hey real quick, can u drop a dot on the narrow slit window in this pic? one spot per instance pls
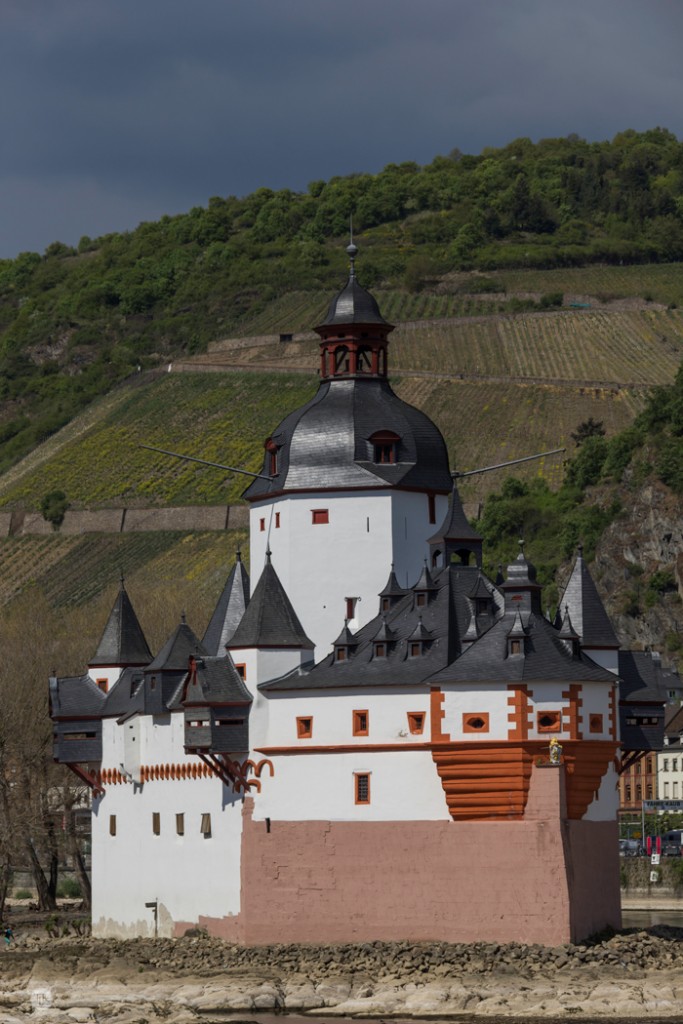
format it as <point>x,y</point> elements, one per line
<point>262,525</point>
<point>112,824</point>
<point>351,607</point>
<point>361,722</point>
<point>362,787</point>
<point>156,823</point>
<point>180,824</point>
<point>205,827</point>
<point>277,520</point>
<point>432,507</point>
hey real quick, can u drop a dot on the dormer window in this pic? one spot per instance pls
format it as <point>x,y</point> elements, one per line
<point>341,654</point>
<point>415,648</point>
<point>515,646</point>
<point>482,605</point>
<point>421,599</point>
<point>386,604</point>
<point>380,650</point>
<point>384,447</point>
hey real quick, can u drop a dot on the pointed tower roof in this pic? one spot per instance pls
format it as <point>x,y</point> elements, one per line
<point>230,609</point>
<point>517,629</point>
<point>346,638</point>
<point>175,654</point>
<point>270,619</point>
<point>455,525</point>
<point>420,632</point>
<point>584,604</point>
<point>393,588</point>
<point>426,581</point>
<point>567,631</point>
<point>385,634</point>
<point>123,642</point>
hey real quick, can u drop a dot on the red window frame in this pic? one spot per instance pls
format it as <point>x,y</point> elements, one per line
<point>320,516</point>
<point>361,723</point>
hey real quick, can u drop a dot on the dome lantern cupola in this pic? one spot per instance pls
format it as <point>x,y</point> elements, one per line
<point>354,334</point>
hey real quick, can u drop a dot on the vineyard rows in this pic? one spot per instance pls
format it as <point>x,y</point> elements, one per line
<point>662,282</point>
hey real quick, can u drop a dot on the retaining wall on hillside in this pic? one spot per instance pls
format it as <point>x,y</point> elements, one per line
<point>133,520</point>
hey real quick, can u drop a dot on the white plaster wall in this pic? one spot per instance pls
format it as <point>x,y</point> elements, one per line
<point>351,556</point>
<point>595,698</point>
<point>273,721</point>
<point>189,875</point>
<point>404,786</point>
<point>108,672</point>
<point>274,662</point>
<point>480,697</point>
<point>411,529</point>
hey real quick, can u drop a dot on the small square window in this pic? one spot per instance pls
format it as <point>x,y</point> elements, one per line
<point>416,722</point>
<point>595,723</point>
<point>415,650</point>
<point>103,684</point>
<point>112,824</point>
<point>304,728</point>
<point>340,654</point>
<point>362,787</point>
<point>360,723</point>
<point>180,824</point>
<point>549,721</point>
<point>380,651</point>
<point>205,827</point>
<point>421,600</point>
<point>156,823</point>
<point>320,516</point>
<point>241,670</point>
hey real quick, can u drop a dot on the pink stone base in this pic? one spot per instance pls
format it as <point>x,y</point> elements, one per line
<point>541,880</point>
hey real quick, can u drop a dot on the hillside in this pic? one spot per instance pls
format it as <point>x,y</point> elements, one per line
<point>448,239</point>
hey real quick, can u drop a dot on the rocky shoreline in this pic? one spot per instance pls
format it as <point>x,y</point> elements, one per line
<point>628,975</point>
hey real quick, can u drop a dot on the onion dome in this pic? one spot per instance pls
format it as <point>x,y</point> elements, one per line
<point>355,433</point>
<point>353,304</point>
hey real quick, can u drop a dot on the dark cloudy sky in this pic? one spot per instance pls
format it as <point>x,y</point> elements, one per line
<point>117,111</point>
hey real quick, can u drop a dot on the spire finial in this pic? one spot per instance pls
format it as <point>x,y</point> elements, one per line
<point>182,617</point>
<point>352,249</point>
<point>268,555</point>
<point>238,555</point>
<point>122,579</point>
<point>580,549</point>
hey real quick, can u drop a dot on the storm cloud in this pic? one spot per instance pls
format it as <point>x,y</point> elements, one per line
<point>118,111</point>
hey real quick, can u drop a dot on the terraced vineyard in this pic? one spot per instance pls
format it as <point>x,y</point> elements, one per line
<point>662,282</point>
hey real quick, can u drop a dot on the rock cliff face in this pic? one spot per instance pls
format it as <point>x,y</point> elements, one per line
<point>639,567</point>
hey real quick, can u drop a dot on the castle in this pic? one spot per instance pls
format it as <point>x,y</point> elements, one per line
<point>377,741</point>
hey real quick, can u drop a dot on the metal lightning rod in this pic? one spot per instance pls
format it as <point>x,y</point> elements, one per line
<point>501,465</point>
<point>216,465</point>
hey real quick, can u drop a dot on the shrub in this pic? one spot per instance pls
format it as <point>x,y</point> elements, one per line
<point>69,889</point>
<point>53,506</point>
<point>23,894</point>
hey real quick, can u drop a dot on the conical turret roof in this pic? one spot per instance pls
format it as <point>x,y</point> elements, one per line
<point>175,654</point>
<point>392,587</point>
<point>588,615</point>
<point>122,643</point>
<point>230,609</point>
<point>270,619</point>
<point>455,525</point>
<point>353,304</point>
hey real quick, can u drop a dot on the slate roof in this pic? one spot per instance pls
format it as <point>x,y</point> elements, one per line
<point>353,304</point>
<point>75,697</point>
<point>588,615</point>
<point>455,525</point>
<point>126,695</point>
<point>229,611</point>
<point>214,681</point>
<point>270,619</point>
<point>175,654</point>
<point>641,678</point>
<point>122,642</point>
<point>325,443</point>
<point>446,617</point>
<point>545,656</point>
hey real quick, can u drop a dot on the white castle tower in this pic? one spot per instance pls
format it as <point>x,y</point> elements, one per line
<point>358,479</point>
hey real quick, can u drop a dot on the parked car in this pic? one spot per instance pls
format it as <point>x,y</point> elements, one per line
<point>630,848</point>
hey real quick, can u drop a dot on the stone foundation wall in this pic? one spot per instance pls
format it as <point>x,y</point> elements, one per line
<point>541,880</point>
